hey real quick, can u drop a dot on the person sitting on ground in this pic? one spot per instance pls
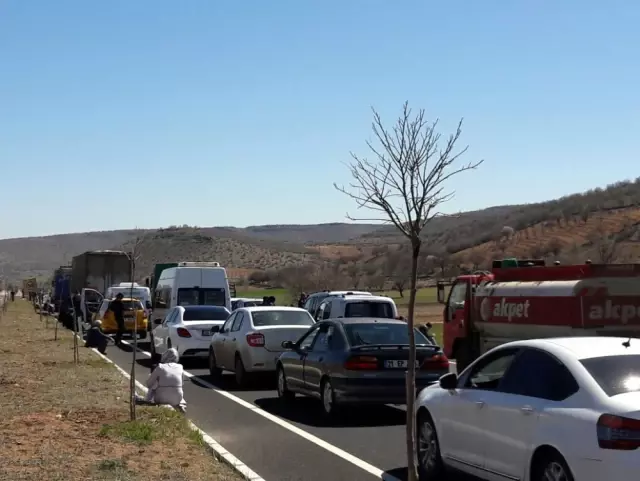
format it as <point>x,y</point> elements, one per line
<point>96,338</point>
<point>165,383</point>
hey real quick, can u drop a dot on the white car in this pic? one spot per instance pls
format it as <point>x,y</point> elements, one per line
<point>188,329</point>
<point>251,339</point>
<point>565,409</point>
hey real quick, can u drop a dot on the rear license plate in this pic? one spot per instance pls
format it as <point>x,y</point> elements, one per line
<point>398,364</point>
<point>206,332</point>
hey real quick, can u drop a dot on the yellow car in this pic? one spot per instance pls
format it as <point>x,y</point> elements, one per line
<point>134,315</point>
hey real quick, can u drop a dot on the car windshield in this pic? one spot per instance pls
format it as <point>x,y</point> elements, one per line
<point>281,318</point>
<point>205,313</point>
<point>380,333</point>
<point>131,305</point>
<point>615,374</point>
<point>369,309</point>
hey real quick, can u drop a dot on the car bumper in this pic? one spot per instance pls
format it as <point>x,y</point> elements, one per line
<point>261,360</point>
<point>614,465</point>
<point>378,391</point>
<point>195,349</point>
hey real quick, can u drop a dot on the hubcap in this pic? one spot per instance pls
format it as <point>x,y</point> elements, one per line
<point>280,383</point>
<point>427,447</point>
<point>327,398</point>
<point>554,472</point>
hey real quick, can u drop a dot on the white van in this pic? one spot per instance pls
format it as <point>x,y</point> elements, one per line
<point>136,291</point>
<point>191,284</point>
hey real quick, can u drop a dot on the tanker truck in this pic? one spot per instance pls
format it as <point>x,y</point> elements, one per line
<point>525,299</point>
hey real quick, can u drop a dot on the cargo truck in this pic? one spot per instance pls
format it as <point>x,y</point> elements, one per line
<point>61,285</point>
<point>525,299</point>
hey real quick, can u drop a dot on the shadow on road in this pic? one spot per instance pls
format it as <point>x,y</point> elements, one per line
<point>308,411</point>
<point>227,383</point>
<point>402,475</point>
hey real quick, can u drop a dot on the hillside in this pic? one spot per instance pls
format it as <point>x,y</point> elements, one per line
<point>600,223</point>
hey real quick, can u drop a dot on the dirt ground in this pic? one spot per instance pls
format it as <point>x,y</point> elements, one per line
<point>425,313</point>
<point>62,421</point>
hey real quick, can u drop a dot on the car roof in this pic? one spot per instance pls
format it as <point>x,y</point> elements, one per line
<point>364,298</point>
<point>204,308</point>
<point>583,347</point>
<point>272,308</point>
<point>340,293</point>
<point>365,320</point>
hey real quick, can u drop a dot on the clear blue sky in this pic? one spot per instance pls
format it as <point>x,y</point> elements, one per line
<point>243,112</point>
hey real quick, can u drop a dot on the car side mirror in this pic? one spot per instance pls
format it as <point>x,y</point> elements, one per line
<point>215,329</point>
<point>287,345</point>
<point>449,381</point>
<point>158,321</point>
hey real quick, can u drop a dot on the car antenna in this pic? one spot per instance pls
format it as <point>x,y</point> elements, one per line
<point>627,343</point>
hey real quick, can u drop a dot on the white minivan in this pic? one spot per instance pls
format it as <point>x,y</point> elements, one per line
<point>190,284</point>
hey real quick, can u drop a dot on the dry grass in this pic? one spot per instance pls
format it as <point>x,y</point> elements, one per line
<point>70,422</point>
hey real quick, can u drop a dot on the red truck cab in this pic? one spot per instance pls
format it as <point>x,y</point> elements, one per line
<point>527,300</point>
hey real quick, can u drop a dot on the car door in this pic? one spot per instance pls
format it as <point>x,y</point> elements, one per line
<point>314,361</point>
<point>235,339</point>
<point>90,300</point>
<point>171,326</point>
<point>160,333</point>
<point>463,425</point>
<point>294,367</point>
<point>220,338</point>
<point>535,382</point>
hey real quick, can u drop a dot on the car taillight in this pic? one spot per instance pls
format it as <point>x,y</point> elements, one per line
<point>182,332</point>
<point>616,432</point>
<point>361,363</point>
<point>255,339</point>
<point>437,361</point>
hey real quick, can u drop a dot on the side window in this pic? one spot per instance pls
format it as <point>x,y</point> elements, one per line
<point>320,314</point>
<point>307,341</point>
<point>226,327</point>
<point>309,303</point>
<point>321,343</point>
<point>326,314</point>
<point>488,374</point>
<point>458,295</point>
<point>238,322</point>
<point>538,374</point>
<point>169,317</point>
<point>176,316</point>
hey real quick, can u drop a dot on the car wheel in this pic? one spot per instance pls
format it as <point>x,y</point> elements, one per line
<point>430,465</point>
<point>142,334</point>
<point>241,373</point>
<point>551,467</point>
<point>283,390</point>
<point>214,370</point>
<point>328,398</point>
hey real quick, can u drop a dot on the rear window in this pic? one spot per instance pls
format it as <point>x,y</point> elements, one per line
<point>131,305</point>
<point>205,314</point>
<point>369,309</point>
<point>201,297</point>
<point>615,374</point>
<point>281,318</point>
<point>380,333</point>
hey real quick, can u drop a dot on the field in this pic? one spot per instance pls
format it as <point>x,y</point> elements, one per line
<point>70,422</point>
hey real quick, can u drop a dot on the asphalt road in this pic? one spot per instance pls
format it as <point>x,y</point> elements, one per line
<point>288,443</point>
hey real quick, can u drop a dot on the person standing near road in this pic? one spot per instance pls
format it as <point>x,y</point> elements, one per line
<point>302,299</point>
<point>117,307</point>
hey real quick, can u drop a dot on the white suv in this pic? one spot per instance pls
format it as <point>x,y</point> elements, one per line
<point>357,306</point>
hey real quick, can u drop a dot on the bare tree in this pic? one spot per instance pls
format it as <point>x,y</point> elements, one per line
<point>133,249</point>
<point>405,186</point>
<point>606,245</point>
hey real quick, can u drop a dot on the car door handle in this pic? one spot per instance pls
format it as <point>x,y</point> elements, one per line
<point>526,409</point>
<point>480,404</point>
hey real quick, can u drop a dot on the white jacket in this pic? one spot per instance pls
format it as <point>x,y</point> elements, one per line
<point>166,383</point>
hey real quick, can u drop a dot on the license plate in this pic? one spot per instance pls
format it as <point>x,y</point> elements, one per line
<point>398,364</point>
<point>206,332</point>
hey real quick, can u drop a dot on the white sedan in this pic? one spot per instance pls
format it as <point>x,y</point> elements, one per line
<point>565,409</point>
<point>188,329</point>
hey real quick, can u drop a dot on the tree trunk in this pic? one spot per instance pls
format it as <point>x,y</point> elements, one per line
<point>412,474</point>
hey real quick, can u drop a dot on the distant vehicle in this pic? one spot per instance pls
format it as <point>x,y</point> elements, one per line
<point>250,341</point>
<point>342,305</point>
<point>238,302</point>
<point>543,409</point>
<point>356,361</point>
<point>191,284</point>
<point>524,299</point>
<point>135,318</point>
<point>314,300</point>
<point>188,329</point>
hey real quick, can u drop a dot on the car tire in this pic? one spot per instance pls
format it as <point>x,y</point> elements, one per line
<point>430,466</point>
<point>241,375</point>
<point>142,334</point>
<point>152,348</point>
<point>328,398</point>
<point>214,370</point>
<point>283,390</point>
<point>551,466</point>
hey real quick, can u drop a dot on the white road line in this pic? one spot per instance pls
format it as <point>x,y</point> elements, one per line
<point>294,429</point>
<point>217,449</point>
